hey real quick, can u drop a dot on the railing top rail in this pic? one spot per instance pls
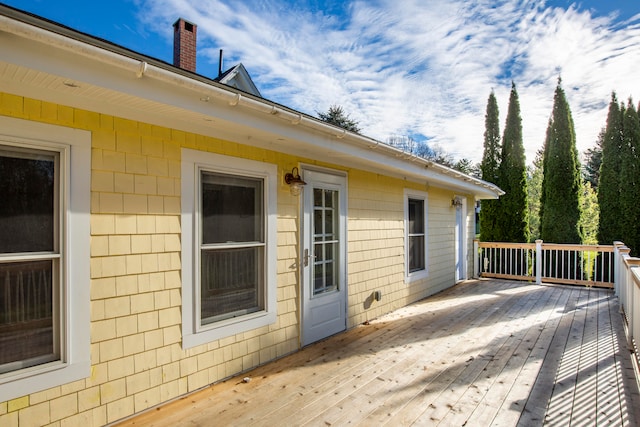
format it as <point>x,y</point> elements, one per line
<point>574,247</point>
<point>506,245</point>
<point>631,261</point>
<point>548,246</point>
<point>635,275</point>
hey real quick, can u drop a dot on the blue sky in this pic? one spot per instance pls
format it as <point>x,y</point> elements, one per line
<point>423,68</point>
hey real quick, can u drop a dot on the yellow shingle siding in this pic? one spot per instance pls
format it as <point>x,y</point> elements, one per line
<point>376,245</point>
<point>137,357</point>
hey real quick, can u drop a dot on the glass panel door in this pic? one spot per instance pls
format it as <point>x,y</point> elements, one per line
<point>323,256</point>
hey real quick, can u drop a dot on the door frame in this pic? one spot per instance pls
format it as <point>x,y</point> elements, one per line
<point>306,172</point>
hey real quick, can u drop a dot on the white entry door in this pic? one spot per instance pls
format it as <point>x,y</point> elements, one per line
<point>460,240</point>
<point>324,293</point>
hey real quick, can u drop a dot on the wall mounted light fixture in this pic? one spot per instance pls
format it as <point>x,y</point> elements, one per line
<point>296,184</point>
<point>456,202</point>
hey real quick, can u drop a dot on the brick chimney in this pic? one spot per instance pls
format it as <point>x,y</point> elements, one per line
<point>184,45</point>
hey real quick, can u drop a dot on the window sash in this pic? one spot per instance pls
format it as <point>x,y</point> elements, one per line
<point>231,282</point>
<point>30,273</point>
<point>226,213</point>
<point>29,298</point>
<point>232,267</point>
<point>416,253</point>
<point>416,217</point>
<point>416,235</point>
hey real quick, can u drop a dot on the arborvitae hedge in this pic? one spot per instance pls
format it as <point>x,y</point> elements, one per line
<point>630,180</point>
<point>610,226</point>
<point>560,201</point>
<point>489,168</point>
<point>513,224</point>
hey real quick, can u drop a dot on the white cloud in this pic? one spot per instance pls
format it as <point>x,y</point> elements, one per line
<point>422,67</point>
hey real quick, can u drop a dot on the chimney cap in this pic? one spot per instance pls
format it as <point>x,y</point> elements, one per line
<point>177,23</point>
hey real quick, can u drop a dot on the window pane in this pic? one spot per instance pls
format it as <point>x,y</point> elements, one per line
<point>26,314</point>
<point>416,253</point>
<point>318,253</point>
<point>328,249</point>
<point>28,201</point>
<point>317,196</point>
<point>416,216</point>
<point>329,198</point>
<point>330,277</point>
<point>328,224</point>
<point>231,283</point>
<point>231,209</point>
<point>318,278</point>
<point>317,224</point>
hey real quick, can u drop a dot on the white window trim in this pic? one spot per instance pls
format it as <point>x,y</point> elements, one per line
<point>192,161</point>
<point>75,157</point>
<point>422,274</point>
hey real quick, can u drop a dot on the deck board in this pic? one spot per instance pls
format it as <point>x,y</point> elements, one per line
<point>486,352</point>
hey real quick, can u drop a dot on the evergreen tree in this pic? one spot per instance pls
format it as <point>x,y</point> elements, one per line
<point>610,229</point>
<point>590,215</point>
<point>630,181</point>
<point>337,116</point>
<point>466,166</point>
<point>593,161</point>
<point>512,178</point>
<point>534,188</point>
<point>489,170</point>
<point>560,203</point>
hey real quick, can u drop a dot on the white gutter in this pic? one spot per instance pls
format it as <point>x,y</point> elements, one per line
<point>144,69</point>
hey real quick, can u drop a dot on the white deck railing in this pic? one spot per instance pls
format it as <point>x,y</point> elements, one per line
<point>586,265</point>
<point>627,289</point>
<point>598,265</point>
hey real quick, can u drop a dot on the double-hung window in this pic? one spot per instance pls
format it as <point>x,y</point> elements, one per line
<point>232,246</point>
<point>228,245</point>
<point>30,250</point>
<point>415,235</point>
<point>44,246</point>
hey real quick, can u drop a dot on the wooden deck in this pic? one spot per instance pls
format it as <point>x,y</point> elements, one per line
<point>481,353</point>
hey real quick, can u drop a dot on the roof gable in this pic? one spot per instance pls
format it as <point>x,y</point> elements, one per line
<point>239,78</point>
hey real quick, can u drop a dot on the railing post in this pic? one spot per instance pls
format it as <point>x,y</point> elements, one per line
<point>476,259</point>
<point>616,267</point>
<point>538,262</point>
<point>623,252</point>
<point>631,309</point>
<point>632,318</point>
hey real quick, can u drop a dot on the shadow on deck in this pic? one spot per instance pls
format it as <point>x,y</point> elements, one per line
<point>482,353</point>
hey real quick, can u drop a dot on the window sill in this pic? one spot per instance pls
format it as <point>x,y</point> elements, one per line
<point>227,328</point>
<point>414,277</point>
